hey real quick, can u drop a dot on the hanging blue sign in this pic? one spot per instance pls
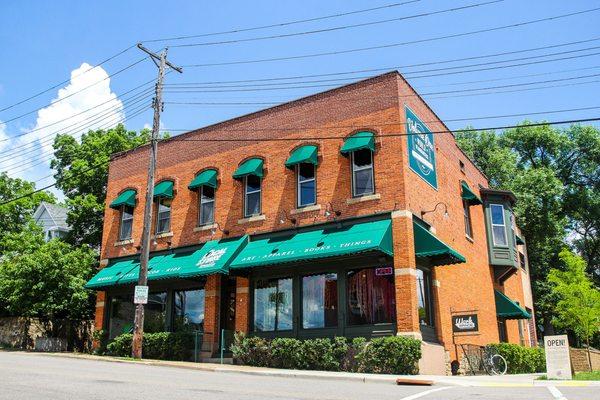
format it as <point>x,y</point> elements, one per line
<point>421,148</point>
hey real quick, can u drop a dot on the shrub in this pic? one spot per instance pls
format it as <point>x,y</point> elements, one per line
<point>390,355</point>
<point>161,345</point>
<point>520,359</point>
<point>394,355</point>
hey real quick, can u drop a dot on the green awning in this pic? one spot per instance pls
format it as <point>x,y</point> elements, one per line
<point>253,166</point>
<point>319,243</point>
<point>304,154</point>
<point>214,257</point>
<point>359,141</point>
<point>110,275</point>
<point>428,246</point>
<point>509,309</point>
<point>126,198</point>
<point>205,178</point>
<point>519,239</point>
<point>164,189</point>
<point>469,195</point>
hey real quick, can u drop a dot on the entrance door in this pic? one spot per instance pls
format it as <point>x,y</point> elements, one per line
<point>228,299</point>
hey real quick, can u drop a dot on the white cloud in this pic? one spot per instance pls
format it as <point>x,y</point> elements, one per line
<point>4,142</point>
<point>67,114</point>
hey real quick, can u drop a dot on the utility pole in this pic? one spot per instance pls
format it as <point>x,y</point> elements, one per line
<point>138,325</point>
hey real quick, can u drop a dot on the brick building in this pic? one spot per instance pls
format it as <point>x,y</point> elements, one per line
<point>349,212</point>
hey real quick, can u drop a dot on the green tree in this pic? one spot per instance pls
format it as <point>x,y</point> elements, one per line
<point>82,173</point>
<point>15,214</point>
<point>45,279</point>
<point>578,305</point>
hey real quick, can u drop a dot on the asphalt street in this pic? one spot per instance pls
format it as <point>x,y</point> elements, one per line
<point>37,376</point>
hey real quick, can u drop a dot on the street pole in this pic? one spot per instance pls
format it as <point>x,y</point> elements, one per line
<point>138,325</point>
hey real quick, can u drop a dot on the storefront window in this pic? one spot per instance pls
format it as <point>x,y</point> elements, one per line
<point>371,296</point>
<point>319,301</point>
<point>424,297</point>
<point>189,310</point>
<point>155,315</point>
<point>273,305</point>
<point>122,313</point>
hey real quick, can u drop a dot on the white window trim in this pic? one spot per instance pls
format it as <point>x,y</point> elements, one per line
<point>203,201</point>
<point>299,183</point>
<point>121,238</point>
<point>503,225</point>
<point>356,169</point>
<point>158,217</point>
<point>246,193</point>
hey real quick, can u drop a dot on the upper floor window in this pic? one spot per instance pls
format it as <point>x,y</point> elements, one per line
<point>498,225</point>
<point>307,190</point>
<point>163,215</point>
<point>467,217</point>
<point>252,198</point>
<point>126,227</point>
<point>206,214</point>
<point>362,173</point>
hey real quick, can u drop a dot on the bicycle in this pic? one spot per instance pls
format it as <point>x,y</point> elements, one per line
<point>493,363</point>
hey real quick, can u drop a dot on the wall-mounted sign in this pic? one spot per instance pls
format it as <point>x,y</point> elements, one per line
<point>558,363</point>
<point>465,323</point>
<point>140,295</point>
<point>383,271</point>
<point>421,148</point>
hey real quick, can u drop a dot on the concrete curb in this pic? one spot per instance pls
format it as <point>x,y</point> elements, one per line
<point>480,381</point>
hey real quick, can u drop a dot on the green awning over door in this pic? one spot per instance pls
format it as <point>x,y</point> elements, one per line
<point>469,195</point>
<point>126,198</point>
<point>164,189</point>
<point>319,243</point>
<point>253,166</point>
<point>509,309</point>
<point>304,154</point>
<point>359,141</point>
<point>429,247</point>
<point>205,178</point>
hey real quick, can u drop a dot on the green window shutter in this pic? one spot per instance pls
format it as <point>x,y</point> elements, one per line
<point>164,189</point>
<point>304,154</point>
<point>359,141</point>
<point>252,166</point>
<point>205,178</point>
<point>126,198</point>
<point>468,195</point>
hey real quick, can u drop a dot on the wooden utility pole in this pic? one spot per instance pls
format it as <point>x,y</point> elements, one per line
<point>138,325</point>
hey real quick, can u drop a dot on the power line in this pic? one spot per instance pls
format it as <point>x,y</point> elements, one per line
<point>180,138</point>
<point>67,80</point>
<point>338,28</point>
<point>282,24</point>
<point>77,92</point>
<point>455,35</point>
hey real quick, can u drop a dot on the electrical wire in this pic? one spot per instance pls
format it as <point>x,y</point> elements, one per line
<point>390,45</point>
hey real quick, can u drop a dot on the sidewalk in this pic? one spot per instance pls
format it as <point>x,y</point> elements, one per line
<point>523,380</point>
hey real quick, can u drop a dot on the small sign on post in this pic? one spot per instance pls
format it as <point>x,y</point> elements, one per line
<point>140,295</point>
<point>558,362</point>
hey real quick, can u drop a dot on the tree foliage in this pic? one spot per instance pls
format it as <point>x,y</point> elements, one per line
<point>82,173</point>
<point>578,305</point>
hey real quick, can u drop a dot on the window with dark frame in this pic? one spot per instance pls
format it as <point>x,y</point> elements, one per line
<point>252,195</point>
<point>189,310</point>
<point>206,208</point>
<point>319,301</point>
<point>307,193</point>
<point>467,217</point>
<point>370,296</point>
<point>126,228</point>
<point>424,297</point>
<point>273,303</point>
<point>163,215</point>
<point>362,173</point>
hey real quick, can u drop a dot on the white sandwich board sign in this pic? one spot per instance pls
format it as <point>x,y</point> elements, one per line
<point>558,362</point>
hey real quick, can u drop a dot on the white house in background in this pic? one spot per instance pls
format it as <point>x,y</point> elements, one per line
<point>53,220</point>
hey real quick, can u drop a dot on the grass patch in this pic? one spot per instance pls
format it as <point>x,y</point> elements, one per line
<point>579,376</point>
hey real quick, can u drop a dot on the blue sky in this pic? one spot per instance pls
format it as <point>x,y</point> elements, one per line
<point>45,43</point>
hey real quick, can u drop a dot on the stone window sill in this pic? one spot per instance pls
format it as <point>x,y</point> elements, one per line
<point>163,235</point>
<point>360,199</point>
<point>469,238</point>
<point>123,242</point>
<point>315,207</point>
<point>253,218</point>
<point>207,227</point>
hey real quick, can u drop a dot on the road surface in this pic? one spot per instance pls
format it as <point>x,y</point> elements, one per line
<point>37,376</point>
